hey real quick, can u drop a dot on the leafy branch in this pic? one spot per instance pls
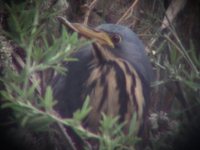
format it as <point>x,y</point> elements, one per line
<point>26,88</point>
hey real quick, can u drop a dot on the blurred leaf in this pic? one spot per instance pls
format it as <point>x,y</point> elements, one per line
<point>158,83</point>
<point>118,130</point>
<point>108,122</point>
<point>80,114</point>
<point>173,56</point>
<point>133,125</point>
<point>59,69</point>
<point>16,89</point>
<point>13,106</point>
<point>48,99</point>
<point>40,120</point>
<point>37,54</point>
<point>24,120</point>
<point>193,85</point>
<point>194,56</point>
<point>6,95</point>
<point>30,91</point>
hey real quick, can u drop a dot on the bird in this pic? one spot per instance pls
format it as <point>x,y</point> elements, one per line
<point>113,70</point>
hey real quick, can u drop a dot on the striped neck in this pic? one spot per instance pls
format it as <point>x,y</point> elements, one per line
<point>114,89</point>
<point>102,54</point>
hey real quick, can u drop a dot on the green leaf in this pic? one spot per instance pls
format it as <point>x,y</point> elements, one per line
<point>39,122</point>
<point>194,85</point>
<point>118,129</point>
<point>173,56</point>
<point>109,125</point>
<point>194,56</point>
<point>13,106</point>
<point>80,114</point>
<point>48,99</point>
<point>60,69</point>
<point>37,54</point>
<point>133,125</point>
<point>7,105</point>
<point>30,91</point>
<point>6,95</point>
<point>24,121</point>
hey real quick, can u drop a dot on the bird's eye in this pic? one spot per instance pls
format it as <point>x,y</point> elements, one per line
<point>116,38</point>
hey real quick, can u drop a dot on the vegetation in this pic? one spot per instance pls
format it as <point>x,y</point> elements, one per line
<point>26,89</point>
<point>40,52</point>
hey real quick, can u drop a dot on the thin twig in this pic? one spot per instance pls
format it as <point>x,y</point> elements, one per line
<point>64,21</point>
<point>185,53</point>
<point>33,78</point>
<point>66,136</point>
<point>87,14</point>
<point>172,11</point>
<point>182,50</point>
<point>128,12</point>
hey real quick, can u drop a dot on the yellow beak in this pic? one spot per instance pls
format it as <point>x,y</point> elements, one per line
<point>101,37</point>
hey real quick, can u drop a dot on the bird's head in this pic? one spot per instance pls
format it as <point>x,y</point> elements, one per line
<point>112,41</point>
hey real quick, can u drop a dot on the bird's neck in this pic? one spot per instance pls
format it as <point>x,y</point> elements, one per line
<point>102,54</point>
<point>115,89</point>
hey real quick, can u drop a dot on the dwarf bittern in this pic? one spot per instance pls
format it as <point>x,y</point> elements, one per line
<point>113,70</point>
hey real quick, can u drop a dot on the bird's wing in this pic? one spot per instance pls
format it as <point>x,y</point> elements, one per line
<point>68,88</point>
<point>140,61</point>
